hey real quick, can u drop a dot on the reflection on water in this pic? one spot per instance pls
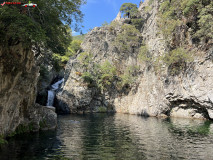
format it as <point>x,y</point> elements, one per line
<point>119,136</point>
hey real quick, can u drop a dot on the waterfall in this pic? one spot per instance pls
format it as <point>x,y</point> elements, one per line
<point>51,92</point>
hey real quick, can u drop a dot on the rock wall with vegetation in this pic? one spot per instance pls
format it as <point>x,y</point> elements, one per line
<point>18,79</point>
<point>34,47</point>
<point>155,61</point>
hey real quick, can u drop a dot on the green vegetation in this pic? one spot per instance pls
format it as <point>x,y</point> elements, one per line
<point>106,75</point>
<point>105,24</point>
<point>100,75</point>
<point>42,26</point>
<point>128,77</point>
<point>112,26</point>
<point>144,54</point>
<point>85,59</point>
<point>22,129</point>
<point>137,22</point>
<point>130,10</point>
<point>74,47</point>
<point>59,61</point>
<point>150,2</point>
<point>88,78</point>
<point>177,59</point>
<point>196,14</point>
<point>79,37</point>
<point>2,140</point>
<point>127,39</point>
<point>102,109</point>
<point>42,124</point>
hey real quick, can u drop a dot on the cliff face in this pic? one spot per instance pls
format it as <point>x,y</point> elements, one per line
<point>18,88</point>
<point>186,94</point>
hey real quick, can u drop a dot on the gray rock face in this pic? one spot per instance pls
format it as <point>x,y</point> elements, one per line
<point>18,87</point>
<point>42,117</point>
<point>76,97</point>
<point>188,94</point>
<point>118,18</point>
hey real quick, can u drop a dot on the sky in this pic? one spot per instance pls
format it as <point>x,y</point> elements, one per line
<point>96,12</point>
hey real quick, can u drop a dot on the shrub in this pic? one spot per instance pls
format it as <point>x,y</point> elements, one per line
<point>138,23</point>
<point>113,25</point>
<point>85,59</point>
<point>87,77</point>
<point>197,14</point>
<point>105,24</point>
<point>144,55</point>
<point>102,109</point>
<point>128,38</point>
<point>59,61</point>
<point>129,76</point>
<point>105,74</point>
<point>74,47</point>
<point>101,75</point>
<point>205,23</point>
<point>2,140</point>
<point>176,59</point>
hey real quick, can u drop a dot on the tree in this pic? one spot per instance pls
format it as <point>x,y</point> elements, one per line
<point>130,10</point>
<point>127,39</point>
<point>46,25</point>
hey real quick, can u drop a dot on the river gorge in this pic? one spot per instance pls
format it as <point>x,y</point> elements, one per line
<point>137,88</point>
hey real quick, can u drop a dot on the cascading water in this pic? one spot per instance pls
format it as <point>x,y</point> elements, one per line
<point>51,92</point>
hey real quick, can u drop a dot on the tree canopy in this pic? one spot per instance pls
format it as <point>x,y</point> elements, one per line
<point>46,25</point>
<point>129,9</point>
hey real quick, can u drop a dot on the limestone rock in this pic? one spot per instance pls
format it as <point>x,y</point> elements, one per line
<point>18,88</point>
<point>188,94</point>
<point>118,18</point>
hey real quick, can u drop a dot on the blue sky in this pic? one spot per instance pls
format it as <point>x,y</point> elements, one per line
<point>96,12</point>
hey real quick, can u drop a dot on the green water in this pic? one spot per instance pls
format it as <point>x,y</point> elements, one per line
<point>119,136</point>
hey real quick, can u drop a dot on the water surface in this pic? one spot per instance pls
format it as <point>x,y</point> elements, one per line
<point>119,136</point>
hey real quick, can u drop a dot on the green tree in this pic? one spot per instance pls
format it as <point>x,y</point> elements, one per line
<point>130,10</point>
<point>42,25</point>
<point>177,59</point>
<point>144,54</point>
<point>197,15</point>
<point>74,47</point>
<point>127,39</point>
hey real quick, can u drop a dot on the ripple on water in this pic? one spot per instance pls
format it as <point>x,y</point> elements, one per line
<point>105,136</point>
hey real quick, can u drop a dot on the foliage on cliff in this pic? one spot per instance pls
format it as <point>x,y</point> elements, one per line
<point>105,75</point>
<point>130,10</point>
<point>127,39</point>
<point>42,25</point>
<point>60,60</point>
<point>195,14</point>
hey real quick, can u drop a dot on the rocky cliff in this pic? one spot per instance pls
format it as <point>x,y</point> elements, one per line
<point>18,89</point>
<point>186,92</point>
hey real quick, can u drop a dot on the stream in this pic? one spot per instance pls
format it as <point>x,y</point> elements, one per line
<point>115,136</point>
